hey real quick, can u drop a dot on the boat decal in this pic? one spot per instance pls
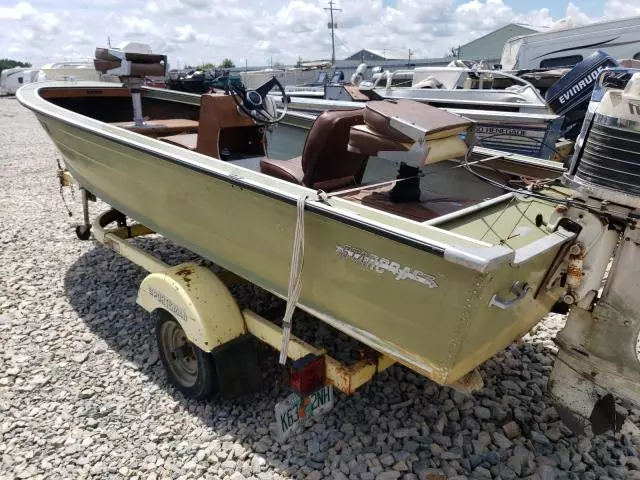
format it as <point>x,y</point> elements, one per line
<point>381,265</point>
<point>498,130</point>
<point>581,85</point>
<point>169,304</point>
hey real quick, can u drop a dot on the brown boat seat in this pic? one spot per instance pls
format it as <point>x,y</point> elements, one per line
<point>378,116</point>
<point>289,170</point>
<point>363,139</point>
<point>141,64</point>
<point>326,162</point>
<point>385,119</point>
<point>184,140</point>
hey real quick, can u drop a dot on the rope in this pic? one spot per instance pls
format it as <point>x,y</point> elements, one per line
<point>295,279</point>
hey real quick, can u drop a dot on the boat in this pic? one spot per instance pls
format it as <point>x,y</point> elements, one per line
<point>200,81</point>
<point>71,70</point>
<point>536,135</point>
<point>315,89</point>
<point>305,75</point>
<point>255,78</point>
<point>386,223</point>
<point>456,87</point>
<point>508,126</point>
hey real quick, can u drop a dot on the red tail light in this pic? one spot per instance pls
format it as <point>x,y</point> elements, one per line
<point>308,374</point>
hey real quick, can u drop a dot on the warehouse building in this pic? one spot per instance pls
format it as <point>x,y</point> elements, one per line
<point>489,47</point>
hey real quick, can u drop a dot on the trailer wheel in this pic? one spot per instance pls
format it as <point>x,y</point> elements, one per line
<point>189,369</point>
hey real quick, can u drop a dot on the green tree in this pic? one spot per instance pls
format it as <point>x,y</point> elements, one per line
<point>227,63</point>
<point>6,63</point>
<point>208,66</point>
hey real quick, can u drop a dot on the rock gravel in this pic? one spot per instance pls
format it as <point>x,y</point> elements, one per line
<point>83,394</point>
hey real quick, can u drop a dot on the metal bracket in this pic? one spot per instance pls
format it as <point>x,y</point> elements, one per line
<point>519,289</point>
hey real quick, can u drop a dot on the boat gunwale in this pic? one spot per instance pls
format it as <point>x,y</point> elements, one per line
<point>477,255</point>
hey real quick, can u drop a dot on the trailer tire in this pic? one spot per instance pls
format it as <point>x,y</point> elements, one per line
<point>189,369</point>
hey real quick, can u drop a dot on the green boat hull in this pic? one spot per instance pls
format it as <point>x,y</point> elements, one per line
<point>420,294</point>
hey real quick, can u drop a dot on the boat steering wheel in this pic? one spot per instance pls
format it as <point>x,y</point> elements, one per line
<point>256,104</point>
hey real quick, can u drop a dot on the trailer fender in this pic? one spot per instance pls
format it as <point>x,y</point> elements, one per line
<point>198,300</point>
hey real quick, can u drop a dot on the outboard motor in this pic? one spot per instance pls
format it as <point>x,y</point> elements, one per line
<point>570,95</point>
<point>597,359</point>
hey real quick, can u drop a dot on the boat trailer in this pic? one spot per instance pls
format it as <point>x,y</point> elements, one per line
<point>597,360</point>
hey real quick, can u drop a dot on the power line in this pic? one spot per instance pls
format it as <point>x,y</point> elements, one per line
<point>332,25</point>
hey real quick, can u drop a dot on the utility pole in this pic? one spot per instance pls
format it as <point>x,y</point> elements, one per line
<point>109,41</point>
<point>332,25</point>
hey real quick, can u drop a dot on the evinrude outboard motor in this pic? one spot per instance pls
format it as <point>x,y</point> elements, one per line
<point>570,95</point>
<point>598,359</point>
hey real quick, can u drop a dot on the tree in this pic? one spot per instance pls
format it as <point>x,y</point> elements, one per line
<point>453,52</point>
<point>6,63</point>
<point>208,66</point>
<point>227,63</point>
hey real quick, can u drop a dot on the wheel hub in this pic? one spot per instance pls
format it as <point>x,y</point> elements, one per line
<point>181,354</point>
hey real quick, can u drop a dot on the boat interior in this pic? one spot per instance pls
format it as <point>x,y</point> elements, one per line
<point>400,157</point>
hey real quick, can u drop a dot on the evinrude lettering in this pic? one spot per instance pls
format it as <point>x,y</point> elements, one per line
<point>378,264</point>
<point>168,304</point>
<point>581,85</point>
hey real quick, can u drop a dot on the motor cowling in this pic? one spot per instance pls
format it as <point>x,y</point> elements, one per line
<point>570,95</point>
<point>606,161</point>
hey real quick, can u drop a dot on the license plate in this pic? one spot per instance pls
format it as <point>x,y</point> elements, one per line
<point>293,409</point>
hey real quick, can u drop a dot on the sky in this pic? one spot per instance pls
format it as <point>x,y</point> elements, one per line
<point>261,32</point>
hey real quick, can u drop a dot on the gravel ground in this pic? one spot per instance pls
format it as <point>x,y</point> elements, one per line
<point>83,394</point>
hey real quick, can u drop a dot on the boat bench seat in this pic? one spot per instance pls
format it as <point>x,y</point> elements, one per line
<point>161,128</point>
<point>184,140</point>
<point>388,124</point>
<point>363,139</point>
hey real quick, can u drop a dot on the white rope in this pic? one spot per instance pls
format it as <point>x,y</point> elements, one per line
<point>295,279</point>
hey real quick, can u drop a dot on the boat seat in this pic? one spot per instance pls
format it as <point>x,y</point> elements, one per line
<point>289,170</point>
<point>161,128</point>
<point>326,163</point>
<point>436,129</point>
<point>363,139</point>
<point>131,64</point>
<point>184,140</point>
